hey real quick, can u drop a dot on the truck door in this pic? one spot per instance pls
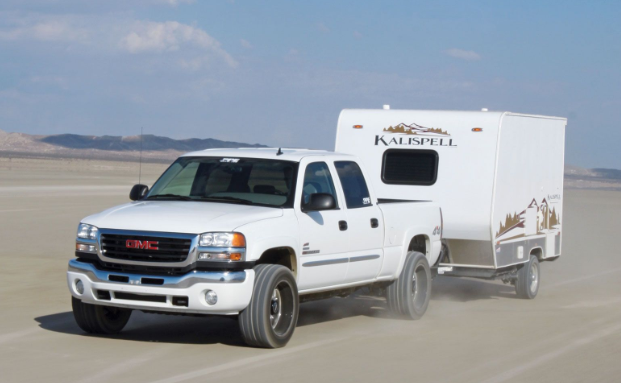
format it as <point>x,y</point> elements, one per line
<point>366,226</point>
<point>323,234</point>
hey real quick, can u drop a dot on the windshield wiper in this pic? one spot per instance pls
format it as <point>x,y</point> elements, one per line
<point>227,199</point>
<point>170,196</point>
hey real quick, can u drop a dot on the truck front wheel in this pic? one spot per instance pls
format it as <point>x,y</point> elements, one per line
<point>409,295</point>
<point>96,319</point>
<point>527,284</point>
<point>270,318</point>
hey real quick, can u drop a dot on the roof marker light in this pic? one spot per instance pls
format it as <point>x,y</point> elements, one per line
<point>477,129</point>
<point>357,126</point>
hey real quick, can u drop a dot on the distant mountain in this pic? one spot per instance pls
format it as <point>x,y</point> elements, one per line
<point>598,178</point>
<point>612,174</point>
<point>132,143</point>
<point>127,148</point>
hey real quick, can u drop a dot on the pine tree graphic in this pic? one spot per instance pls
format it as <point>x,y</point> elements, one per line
<point>554,218</point>
<point>510,221</point>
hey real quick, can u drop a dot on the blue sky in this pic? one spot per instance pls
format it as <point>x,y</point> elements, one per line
<point>279,72</point>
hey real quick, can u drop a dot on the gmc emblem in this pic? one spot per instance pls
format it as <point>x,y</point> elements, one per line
<point>146,245</point>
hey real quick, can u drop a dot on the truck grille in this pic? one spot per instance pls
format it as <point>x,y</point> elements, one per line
<point>168,249</point>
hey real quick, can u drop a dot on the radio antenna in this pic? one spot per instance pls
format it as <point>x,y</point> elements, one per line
<point>140,157</point>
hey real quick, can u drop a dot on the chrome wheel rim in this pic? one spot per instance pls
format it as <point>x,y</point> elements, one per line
<point>275,308</point>
<point>534,277</point>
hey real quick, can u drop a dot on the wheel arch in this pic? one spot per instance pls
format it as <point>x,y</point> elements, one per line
<point>283,255</point>
<point>538,252</point>
<point>420,243</point>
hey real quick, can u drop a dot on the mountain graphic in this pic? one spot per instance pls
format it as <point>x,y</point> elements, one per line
<point>415,129</point>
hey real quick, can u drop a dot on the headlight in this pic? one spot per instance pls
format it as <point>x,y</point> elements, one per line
<point>87,231</point>
<point>222,240</point>
<point>233,247</point>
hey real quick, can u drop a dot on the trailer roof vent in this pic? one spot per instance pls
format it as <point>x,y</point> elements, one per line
<point>484,110</point>
<point>386,107</point>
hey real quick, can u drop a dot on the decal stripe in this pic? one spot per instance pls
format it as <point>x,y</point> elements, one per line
<point>363,258</point>
<point>359,258</point>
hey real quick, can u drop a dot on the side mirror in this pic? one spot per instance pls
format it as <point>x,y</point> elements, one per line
<point>138,191</point>
<point>319,202</point>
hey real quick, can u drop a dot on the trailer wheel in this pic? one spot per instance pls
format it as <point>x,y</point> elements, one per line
<point>409,295</point>
<point>270,318</point>
<point>99,319</point>
<point>528,277</point>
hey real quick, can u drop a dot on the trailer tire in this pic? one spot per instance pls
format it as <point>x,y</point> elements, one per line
<point>96,319</point>
<point>272,314</point>
<point>527,284</point>
<point>409,295</point>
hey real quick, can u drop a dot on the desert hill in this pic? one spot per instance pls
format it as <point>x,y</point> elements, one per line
<point>106,147</point>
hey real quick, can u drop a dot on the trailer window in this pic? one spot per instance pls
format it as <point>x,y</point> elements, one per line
<point>354,185</point>
<point>410,167</point>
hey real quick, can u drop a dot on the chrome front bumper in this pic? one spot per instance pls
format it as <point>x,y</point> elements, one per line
<point>156,293</point>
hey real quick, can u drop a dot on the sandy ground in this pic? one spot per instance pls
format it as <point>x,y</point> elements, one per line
<point>474,331</point>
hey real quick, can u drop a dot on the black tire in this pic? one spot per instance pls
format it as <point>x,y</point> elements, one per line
<point>96,319</point>
<point>408,296</point>
<point>271,317</point>
<point>528,277</point>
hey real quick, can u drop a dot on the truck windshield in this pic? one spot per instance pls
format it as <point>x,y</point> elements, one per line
<point>248,181</point>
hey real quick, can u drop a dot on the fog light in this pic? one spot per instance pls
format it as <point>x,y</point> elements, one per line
<point>79,287</point>
<point>211,297</point>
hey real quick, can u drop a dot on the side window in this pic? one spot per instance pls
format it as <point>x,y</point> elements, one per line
<point>410,167</point>
<point>317,179</point>
<point>354,185</point>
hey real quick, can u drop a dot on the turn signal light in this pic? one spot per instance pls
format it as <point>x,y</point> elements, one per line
<point>83,247</point>
<point>236,257</point>
<point>238,240</point>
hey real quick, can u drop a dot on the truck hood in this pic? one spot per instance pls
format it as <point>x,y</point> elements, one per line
<point>180,216</point>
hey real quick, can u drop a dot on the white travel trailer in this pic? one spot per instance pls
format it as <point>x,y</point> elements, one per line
<point>498,177</point>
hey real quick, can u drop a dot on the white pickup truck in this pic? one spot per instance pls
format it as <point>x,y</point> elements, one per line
<point>252,233</point>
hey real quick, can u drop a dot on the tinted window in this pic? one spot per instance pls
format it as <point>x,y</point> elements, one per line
<point>225,180</point>
<point>410,167</point>
<point>317,179</point>
<point>354,185</point>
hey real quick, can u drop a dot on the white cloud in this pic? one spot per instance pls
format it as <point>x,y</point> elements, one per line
<point>245,43</point>
<point>323,28</point>
<point>53,30</point>
<point>174,3</point>
<point>149,36</point>
<point>57,81</point>
<point>463,54</point>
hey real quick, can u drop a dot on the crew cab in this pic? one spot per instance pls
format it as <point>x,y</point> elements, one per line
<point>252,233</point>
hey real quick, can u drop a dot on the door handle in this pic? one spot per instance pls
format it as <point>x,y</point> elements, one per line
<point>374,223</point>
<point>342,225</point>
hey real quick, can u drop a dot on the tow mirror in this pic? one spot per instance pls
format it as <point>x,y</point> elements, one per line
<point>138,191</point>
<point>319,202</point>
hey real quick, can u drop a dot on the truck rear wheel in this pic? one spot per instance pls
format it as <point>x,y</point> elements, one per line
<point>270,318</point>
<point>99,319</point>
<point>527,284</point>
<point>409,295</point>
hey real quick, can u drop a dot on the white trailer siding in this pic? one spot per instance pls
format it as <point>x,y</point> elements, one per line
<point>483,174</point>
<point>528,190</point>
